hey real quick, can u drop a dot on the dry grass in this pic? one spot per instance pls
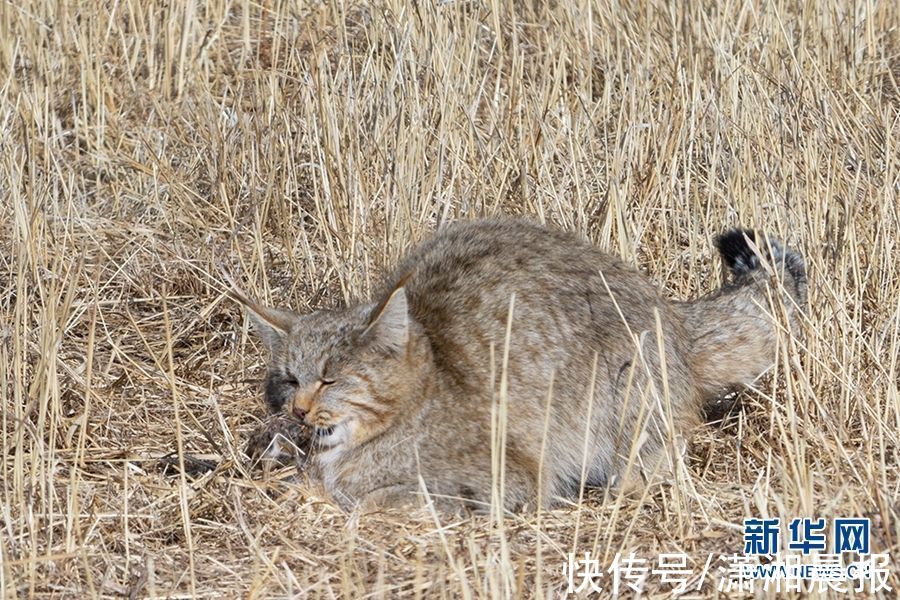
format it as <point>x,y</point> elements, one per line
<point>306,146</point>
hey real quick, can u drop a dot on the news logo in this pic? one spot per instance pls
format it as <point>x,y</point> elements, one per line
<point>803,555</point>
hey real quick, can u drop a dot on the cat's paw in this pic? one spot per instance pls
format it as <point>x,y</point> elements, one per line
<point>281,440</point>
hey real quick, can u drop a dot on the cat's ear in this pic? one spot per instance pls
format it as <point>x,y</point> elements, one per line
<point>388,326</point>
<point>271,324</point>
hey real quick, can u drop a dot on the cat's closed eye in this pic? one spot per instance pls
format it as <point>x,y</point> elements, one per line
<point>326,374</point>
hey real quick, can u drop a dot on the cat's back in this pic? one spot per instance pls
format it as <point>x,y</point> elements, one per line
<point>494,252</point>
<point>460,283</point>
<point>485,261</point>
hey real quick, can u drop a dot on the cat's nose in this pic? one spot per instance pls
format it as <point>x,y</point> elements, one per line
<point>302,401</point>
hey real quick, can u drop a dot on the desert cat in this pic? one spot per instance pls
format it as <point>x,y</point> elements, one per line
<point>405,387</point>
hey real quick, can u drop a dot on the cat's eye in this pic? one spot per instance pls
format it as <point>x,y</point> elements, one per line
<point>324,379</point>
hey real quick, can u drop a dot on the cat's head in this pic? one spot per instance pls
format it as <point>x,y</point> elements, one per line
<point>347,373</point>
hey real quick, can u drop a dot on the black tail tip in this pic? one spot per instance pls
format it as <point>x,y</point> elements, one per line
<point>742,260</point>
<point>736,252</point>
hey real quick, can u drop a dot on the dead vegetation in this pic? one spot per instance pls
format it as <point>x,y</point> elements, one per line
<point>304,146</point>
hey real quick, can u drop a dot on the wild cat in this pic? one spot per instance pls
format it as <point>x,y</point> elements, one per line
<point>404,392</point>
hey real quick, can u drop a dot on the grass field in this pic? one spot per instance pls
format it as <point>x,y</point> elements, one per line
<point>304,147</point>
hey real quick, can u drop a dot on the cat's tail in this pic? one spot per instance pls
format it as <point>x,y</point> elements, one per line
<point>733,331</point>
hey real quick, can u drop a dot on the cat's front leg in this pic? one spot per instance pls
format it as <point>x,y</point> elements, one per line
<point>408,495</point>
<point>411,496</point>
<point>400,495</point>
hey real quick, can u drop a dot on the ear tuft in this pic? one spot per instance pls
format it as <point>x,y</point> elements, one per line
<point>271,324</point>
<point>388,327</point>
